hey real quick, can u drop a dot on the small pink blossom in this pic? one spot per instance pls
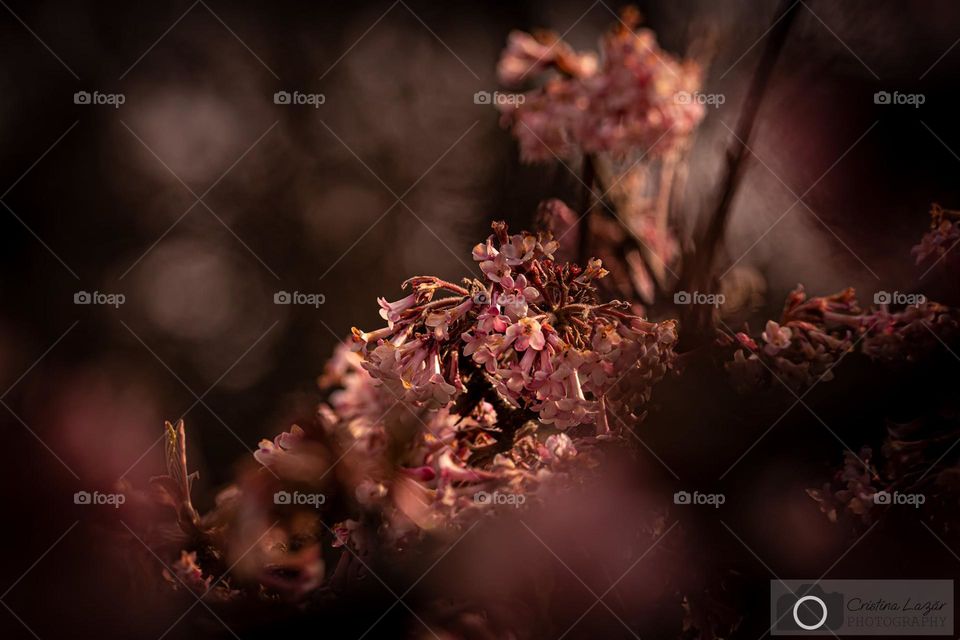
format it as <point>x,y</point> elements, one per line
<point>497,269</point>
<point>391,311</point>
<point>526,332</point>
<point>776,337</point>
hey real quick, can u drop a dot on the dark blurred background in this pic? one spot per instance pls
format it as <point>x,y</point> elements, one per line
<point>199,198</point>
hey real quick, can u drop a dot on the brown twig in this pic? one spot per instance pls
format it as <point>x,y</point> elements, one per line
<point>698,320</point>
<point>589,178</point>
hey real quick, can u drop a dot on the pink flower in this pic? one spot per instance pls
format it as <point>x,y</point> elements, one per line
<point>526,332</point>
<point>567,412</point>
<point>485,251</point>
<point>515,299</point>
<point>638,99</point>
<point>496,269</point>
<point>390,311</point>
<point>776,337</point>
<point>441,321</point>
<point>269,453</point>
<point>558,447</point>
<point>490,321</point>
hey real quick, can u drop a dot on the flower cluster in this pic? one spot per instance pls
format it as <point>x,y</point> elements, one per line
<point>814,333</point>
<point>532,328</point>
<point>917,459</point>
<point>637,96</point>
<point>851,489</point>
<point>943,235</point>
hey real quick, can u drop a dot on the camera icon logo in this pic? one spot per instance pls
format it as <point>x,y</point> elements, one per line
<point>282,497</point>
<point>681,497</point>
<point>882,497</point>
<point>881,97</point>
<point>281,97</point>
<point>282,297</point>
<point>882,297</point>
<point>82,497</point>
<point>481,497</point>
<point>683,97</point>
<point>809,609</point>
<point>82,297</point>
<point>482,97</point>
<point>682,297</point>
<point>81,97</point>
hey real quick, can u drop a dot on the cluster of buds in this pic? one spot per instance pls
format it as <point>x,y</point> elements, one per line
<point>636,96</point>
<point>943,235</point>
<point>814,333</point>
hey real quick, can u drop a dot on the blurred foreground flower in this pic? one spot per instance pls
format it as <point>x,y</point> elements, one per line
<point>636,96</point>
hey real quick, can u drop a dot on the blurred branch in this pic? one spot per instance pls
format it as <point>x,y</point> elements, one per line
<point>698,320</point>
